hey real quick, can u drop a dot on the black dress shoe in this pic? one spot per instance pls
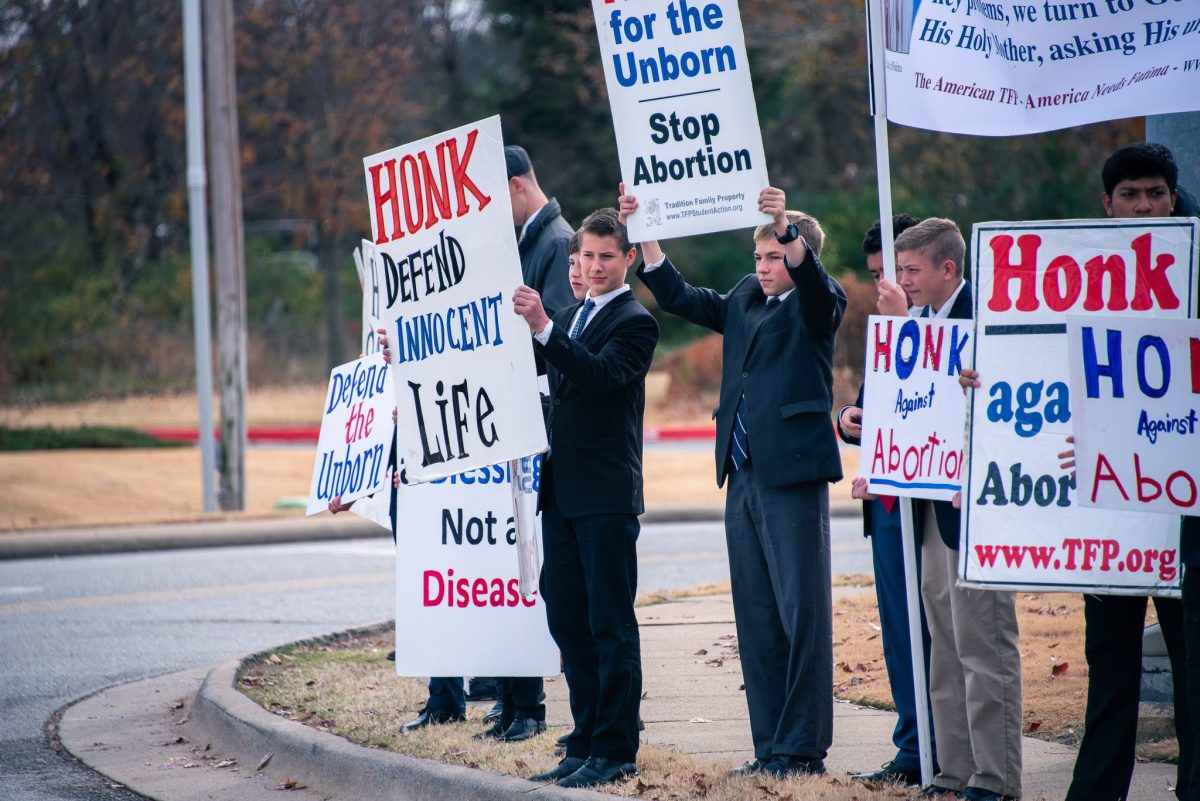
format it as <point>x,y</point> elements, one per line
<point>391,656</point>
<point>492,732</point>
<point>522,729</point>
<point>980,794</point>
<point>495,713</point>
<point>749,768</point>
<point>598,770</point>
<point>890,772</point>
<point>482,690</point>
<point>782,766</point>
<point>565,768</point>
<point>561,742</point>
<point>427,718</point>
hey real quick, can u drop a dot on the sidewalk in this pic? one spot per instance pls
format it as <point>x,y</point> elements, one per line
<point>132,732</point>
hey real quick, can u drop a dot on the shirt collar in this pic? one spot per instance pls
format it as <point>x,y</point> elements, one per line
<point>532,217</point>
<point>604,299</point>
<point>944,312</point>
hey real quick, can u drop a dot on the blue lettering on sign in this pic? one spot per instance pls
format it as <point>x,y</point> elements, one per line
<point>1025,405</point>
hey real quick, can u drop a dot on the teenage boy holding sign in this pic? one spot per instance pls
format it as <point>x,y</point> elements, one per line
<point>776,446</point>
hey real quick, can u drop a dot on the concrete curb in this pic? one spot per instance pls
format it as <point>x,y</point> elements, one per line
<point>324,760</point>
<point>267,531</point>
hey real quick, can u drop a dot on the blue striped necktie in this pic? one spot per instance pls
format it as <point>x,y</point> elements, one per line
<point>581,321</point>
<point>741,440</point>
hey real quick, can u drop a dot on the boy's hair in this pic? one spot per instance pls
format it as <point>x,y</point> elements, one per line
<point>810,229</point>
<point>606,222</point>
<point>938,238</point>
<point>576,243</point>
<point>1139,160</point>
<point>873,240</point>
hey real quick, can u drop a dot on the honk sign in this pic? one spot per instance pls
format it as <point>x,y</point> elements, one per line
<point>1136,385</point>
<point>913,408</point>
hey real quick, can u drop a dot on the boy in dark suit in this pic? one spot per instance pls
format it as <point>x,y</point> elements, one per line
<point>775,443</point>
<point>597,354</point>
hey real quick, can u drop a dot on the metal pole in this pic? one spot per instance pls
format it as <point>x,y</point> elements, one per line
<point>883,171</point>
<point>197,181</point>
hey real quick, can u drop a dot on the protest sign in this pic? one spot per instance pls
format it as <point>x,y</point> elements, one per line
<point>683,110</point>
<point>913,407</point>
<point>459,606</point>
<point>356,434</point>
<point>1136,389</point>
<point>1022,526</point>
<point>441,224</point>
<point>1000,68</point>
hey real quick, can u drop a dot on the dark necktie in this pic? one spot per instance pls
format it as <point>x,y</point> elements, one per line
<point>584,313</point>
<point>741,440</point>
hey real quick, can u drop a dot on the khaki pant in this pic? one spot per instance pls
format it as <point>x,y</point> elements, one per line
<point>974,675</point>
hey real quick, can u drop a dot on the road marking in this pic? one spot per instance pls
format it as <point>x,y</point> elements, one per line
<point>163,596</point>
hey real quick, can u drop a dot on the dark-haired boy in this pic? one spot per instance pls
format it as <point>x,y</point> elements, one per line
<point>597,354</point>
<point>776,446</point>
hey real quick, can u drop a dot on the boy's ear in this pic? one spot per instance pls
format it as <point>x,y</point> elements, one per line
<point>631,256</point>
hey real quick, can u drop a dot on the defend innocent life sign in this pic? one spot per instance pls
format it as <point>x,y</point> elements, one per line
<point>1023,527</point>
<point>913,407</point>
<point>683,109</point>
<point>356,434</point>
<point>1007,67</point>
<point>466,386</point>
<point>458,588</point>
<point>1136,385</point>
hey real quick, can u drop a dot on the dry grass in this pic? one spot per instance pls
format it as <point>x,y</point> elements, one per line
<point>349,689</point>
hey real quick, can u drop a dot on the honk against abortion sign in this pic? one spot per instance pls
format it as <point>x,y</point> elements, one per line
<point>1136,389</point>
<point>683,110</point>
<point>354,447</point>
<point>441,223</point>
<point>913,407</point>
<point>1024,524</point>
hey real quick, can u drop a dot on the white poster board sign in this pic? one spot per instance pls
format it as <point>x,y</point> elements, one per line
<point>355,443</point>
<point>913,406</point>
<point>441,223</point>
<point>459,606</point>
<point>1022,526</point>
<point>1000,68</point>
<point>1136,389</point>
<point>683,110</point>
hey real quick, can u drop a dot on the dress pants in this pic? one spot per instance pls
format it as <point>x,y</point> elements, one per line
<point>887,555</point>
<point>779,565</point>
<point>974,674</point>
<point>446,696</point>
<point>589,580</point>
<point>522,696</point>
<point>1113,646</point>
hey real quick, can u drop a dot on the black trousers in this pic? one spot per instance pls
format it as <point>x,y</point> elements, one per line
<point>1113,646</point>
<point>589,579</point>
<point>779,565</point>
<point>522,696</point>
<point>1191,636</point>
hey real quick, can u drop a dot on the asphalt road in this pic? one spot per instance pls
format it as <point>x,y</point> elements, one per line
<point>72,626</point>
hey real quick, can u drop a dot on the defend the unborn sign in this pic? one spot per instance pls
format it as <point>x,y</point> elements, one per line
<point>463,366</point>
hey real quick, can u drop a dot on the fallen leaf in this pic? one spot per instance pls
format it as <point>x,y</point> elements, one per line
<point>520,764</point>
<point>178,704</point>
<point>176,741</point>
<point>289,784</point>
<point>274,659</point>
<point>225,763</point>
<point>700,720</point>
<point>701,652</point>
<point>262,763</point>
<point>715,662</point>
<point>1059,669</point>
<point>310,683</point>
<point>1034,725</point>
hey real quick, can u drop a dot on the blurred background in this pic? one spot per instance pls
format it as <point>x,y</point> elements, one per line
<point>94,266</point>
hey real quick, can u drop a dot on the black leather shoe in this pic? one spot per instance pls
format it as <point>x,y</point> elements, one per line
<point>782,765</point>
<point>492,732</point>
<point>495,713</point>
<point>427,718</point>
<point>980,794</point>
<point>522,729</point>
<point>391,656</point>
<point>561,742</point>
<point>750,768</point>
<point>565,768</point>
<point>890,772</point>
<point>598,770</point>
<point>482,690</point>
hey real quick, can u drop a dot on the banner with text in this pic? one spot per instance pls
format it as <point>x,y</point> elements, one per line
<point>683,108</point>
<point>377,507</point>
<point>356,434</point>
<point>1000,68</point>
<point>1022,527</point>
<point>459,606</point>
<point>1136,385</point>
<point>441,223</point>
<point>913,407</point>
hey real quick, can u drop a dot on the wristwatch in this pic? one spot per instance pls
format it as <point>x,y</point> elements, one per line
<point>791,235</point>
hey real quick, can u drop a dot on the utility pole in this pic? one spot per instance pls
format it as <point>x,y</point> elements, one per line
<point>198,220</point>
<point>226,173</point>
<point>1180,133</point>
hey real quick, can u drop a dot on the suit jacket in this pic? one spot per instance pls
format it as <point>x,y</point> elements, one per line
<point>782,360</point>
<point>543,252</point>
<point>947,516</point>
<point>597,397</point>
